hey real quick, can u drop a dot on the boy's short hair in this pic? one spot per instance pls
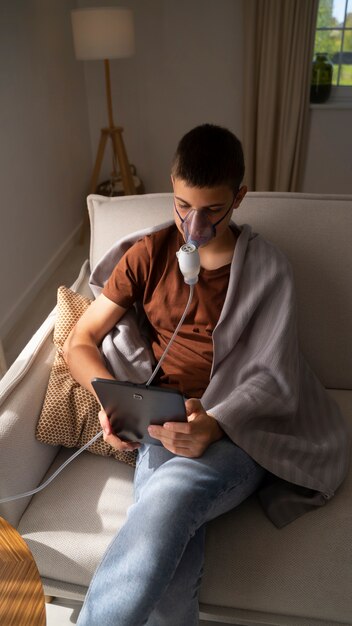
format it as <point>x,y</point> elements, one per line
<point>209,156</point>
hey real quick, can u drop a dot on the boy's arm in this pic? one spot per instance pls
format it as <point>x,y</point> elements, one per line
<point>84,359</point>
<point>80,349</point>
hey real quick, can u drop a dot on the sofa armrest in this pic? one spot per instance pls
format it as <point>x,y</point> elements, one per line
<point>24,460</point>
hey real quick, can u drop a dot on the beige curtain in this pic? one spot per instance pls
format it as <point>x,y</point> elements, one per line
<point>279,41</point>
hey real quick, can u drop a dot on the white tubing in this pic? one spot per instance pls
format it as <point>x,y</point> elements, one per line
<point>86,445</point>
<point>47,482</point>
<point>191,290</point>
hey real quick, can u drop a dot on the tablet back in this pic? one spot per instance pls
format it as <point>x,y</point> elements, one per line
<point>131,408</point>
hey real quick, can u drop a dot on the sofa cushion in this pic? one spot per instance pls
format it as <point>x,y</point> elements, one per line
<point>70,523</point>
<point>115,217</point>
<point>69,416</point>
<point>249,563</point>
<point>301,570</point>
<point>320,253</point>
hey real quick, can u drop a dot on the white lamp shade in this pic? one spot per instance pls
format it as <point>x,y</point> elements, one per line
<point>103,33</point>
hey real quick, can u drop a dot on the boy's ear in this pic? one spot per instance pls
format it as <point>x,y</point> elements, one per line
<point>240,195</point>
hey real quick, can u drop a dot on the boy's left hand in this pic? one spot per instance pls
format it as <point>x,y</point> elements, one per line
<point>189,438</point>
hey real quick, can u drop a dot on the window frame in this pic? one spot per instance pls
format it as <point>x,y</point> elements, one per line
<point>339,93</point>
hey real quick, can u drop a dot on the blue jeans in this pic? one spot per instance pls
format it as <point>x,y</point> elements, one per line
<point>151,572</point>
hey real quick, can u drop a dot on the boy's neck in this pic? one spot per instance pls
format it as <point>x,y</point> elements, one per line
<point>219,251</point>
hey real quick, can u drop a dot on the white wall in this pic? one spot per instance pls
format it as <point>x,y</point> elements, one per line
<point>187,70</point>
<point>329,157</point>
<point>45,155</point>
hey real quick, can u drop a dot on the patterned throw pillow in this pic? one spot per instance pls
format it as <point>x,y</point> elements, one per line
<point>69,416</point>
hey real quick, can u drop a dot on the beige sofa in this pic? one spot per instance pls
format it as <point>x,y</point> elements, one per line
<point>254,573</point>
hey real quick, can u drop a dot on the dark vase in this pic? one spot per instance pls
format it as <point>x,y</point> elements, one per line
<point>322,71</point>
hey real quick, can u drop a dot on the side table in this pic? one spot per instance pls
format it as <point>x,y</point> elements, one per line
<point>22,600</point>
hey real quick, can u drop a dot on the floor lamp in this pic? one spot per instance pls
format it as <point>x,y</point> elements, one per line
<point>103,34</point>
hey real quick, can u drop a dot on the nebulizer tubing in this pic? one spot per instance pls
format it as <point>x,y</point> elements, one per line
<point>188,258</point>
<point>191,290</point>
<point>189,264</point>
<point>48,481</point>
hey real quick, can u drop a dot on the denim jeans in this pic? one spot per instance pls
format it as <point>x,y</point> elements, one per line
<point>151,572</point>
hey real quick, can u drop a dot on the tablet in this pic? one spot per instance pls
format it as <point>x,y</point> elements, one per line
<point>131,408</point>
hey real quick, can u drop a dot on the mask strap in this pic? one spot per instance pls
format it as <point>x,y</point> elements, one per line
<point>182,220</point>
<point>228,211</point>
<point>221,218</point>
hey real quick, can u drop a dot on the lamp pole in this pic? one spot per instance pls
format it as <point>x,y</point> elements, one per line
<point>105,33</point>
<point>118,146</point>
<point>108,92</point>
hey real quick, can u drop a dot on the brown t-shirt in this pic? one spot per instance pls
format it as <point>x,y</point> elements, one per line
<point>149,273</point>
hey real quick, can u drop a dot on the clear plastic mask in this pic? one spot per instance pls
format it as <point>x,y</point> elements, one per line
<point>197,227</point>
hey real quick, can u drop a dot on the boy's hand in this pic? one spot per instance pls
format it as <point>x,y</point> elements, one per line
<point>190,438</point>
<point>110,438</point>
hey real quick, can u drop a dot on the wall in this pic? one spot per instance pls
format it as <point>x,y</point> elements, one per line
<point>329,157</point>
<point>45,155</point>
<point>187,70</point>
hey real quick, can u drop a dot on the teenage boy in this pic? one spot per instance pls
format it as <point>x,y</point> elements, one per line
<point>255,410</point>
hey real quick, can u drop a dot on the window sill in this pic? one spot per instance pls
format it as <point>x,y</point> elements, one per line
<point>331,105</point>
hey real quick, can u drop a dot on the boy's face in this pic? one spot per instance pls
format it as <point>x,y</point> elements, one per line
<point>216,202</point>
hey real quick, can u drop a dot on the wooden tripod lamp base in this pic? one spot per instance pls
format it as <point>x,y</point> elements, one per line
<point>119,150</point>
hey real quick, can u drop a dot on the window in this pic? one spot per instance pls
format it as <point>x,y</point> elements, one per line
<point>334,37</point>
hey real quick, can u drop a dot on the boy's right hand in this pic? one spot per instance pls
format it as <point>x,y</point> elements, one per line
<point>111,439</point>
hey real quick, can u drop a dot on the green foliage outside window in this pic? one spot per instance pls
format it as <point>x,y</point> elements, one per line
<point>334,36</point>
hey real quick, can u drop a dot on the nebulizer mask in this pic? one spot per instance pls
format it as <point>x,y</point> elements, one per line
<point>198,230</point>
